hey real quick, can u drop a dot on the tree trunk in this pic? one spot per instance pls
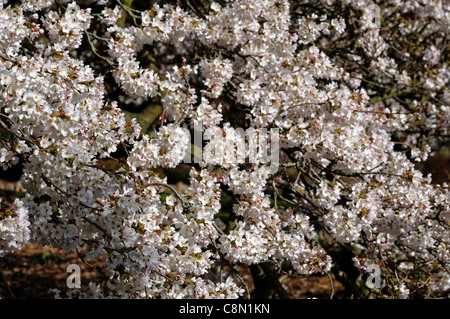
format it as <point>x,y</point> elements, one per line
<point>267,285</point>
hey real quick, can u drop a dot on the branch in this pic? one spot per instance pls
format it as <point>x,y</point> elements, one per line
<point>183,201</point>
<point>266,282</point>
<point>14,133</point>
<point>332,285</point>
<point>94,50</point>
<point>96,225</point>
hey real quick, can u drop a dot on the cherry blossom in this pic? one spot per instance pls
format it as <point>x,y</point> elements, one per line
<point>347,105</point>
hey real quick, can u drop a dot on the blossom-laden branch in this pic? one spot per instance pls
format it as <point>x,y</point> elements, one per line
<point>354,103</point>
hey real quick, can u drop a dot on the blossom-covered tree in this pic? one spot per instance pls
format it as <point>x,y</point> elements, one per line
<point>294,125</point>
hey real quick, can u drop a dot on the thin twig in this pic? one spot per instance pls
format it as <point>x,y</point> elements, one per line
<point>96,225</point>
<point>164,276</point>
<point>283,198</point>
<point>332,285</point>
<point>8,289</point>
<point>84,260</point>
<point>14,133</point>
<point>94,50</point>
<point>183,201</point>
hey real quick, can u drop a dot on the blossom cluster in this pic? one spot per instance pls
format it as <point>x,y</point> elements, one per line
<point>14,227</point>
<point>98,184</point>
